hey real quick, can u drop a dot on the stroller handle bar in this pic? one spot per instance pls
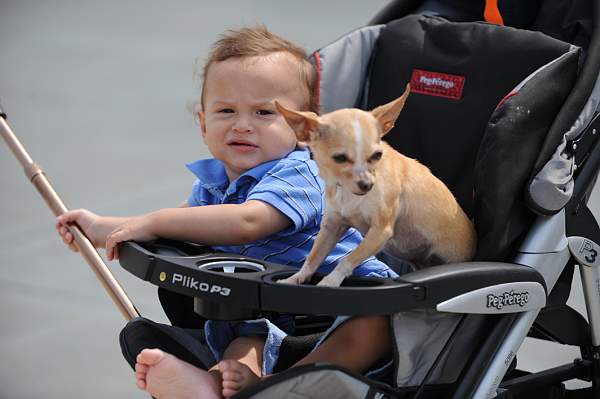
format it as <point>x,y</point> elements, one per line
<point>36,175</point>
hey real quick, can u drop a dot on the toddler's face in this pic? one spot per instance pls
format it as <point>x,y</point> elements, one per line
<point>240,124</point>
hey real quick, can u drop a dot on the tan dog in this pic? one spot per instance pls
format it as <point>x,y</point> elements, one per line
<point>393,200</point>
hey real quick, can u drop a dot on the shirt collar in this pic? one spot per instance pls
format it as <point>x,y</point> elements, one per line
<point>211,172</point>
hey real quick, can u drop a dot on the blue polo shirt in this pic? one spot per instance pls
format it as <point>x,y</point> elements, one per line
<point>292,186</point>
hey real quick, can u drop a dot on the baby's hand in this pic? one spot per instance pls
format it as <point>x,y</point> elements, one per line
<point>136,229</point>
<point>86,220</point>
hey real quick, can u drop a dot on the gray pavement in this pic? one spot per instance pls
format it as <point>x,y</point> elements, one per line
<point>100,94</point>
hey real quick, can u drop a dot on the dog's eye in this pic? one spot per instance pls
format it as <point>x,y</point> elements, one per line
<point>376,156</point>
<point>340,158</point>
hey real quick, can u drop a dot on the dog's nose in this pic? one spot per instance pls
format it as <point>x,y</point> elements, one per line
<point>364,186</point>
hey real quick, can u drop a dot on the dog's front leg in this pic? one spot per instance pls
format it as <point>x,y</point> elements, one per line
<point>332,229</point>
<point>373,242</point>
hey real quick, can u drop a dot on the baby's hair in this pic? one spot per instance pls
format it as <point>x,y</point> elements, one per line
<point>258,41</point>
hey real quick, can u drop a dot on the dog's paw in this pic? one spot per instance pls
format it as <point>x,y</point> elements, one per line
<point>333,279</point>
<point>295,279</point>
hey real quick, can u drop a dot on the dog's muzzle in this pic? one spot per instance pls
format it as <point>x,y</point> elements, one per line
<point>364,187</point>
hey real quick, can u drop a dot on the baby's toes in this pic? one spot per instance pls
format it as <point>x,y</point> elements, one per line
<point>141,368</point>
<point>231,387</point>
<point>140,382</point>
<point>231,379</point>
<point>150,357</point>
<point>232,382</point>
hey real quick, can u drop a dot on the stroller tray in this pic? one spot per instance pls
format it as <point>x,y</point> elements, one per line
<point>229,281</point>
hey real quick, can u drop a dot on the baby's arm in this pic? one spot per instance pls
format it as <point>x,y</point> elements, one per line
<point>95,227</point>
<point>226,224</point>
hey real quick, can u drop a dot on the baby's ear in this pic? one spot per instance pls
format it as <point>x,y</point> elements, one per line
<point>201,118</point>
<point>302,123</point>
<point>388,113</point>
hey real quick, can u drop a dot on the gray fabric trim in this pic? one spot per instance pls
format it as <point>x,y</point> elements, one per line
<point>552,187</point>
<point>330,384</point>
<point>531,75</point>
<point>344,65</point>
<point>419,337</point>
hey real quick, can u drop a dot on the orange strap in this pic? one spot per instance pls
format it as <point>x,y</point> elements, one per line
<point>492,13</point>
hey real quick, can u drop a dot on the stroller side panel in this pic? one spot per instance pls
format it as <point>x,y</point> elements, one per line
<point>342,68</point>
<point>552,187</point>
<point>419,337</point>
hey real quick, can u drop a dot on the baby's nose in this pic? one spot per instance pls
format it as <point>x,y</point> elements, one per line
<point>242,125</point>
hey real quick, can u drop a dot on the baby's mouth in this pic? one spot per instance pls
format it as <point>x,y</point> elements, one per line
<point>243,145</point>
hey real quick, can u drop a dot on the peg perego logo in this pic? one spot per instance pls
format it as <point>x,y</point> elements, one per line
<point>446,84</point>
<point>507,299</point>
<point>190,282</point>
<point>437,84</point>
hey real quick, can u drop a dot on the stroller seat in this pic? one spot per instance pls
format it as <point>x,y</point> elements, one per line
<point>494,112</point>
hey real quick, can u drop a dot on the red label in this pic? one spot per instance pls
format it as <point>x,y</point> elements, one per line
<point>437,84</point>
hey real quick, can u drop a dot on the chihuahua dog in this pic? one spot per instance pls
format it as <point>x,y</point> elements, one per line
<point>394,201</point>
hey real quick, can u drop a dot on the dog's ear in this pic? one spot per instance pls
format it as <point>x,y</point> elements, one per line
<point>388,113</point>
<point>302,123</point>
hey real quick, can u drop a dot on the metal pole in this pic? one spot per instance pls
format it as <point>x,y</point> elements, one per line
<point>37,177</point>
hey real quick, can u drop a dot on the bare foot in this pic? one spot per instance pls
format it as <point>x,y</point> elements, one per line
<point>165,376</point>
<point>236,376</point>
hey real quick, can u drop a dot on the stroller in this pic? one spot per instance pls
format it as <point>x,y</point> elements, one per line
<point>506,114</point>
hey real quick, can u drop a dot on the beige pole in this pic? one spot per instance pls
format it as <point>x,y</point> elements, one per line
<point>37,177</point>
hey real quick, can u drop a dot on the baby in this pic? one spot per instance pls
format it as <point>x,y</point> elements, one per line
<point>261,197</point>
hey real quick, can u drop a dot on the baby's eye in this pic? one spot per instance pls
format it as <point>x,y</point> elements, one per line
<point>226,111</point>
<point>264,112</point>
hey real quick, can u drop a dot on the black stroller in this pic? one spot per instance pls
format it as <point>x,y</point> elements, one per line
<point>507,117</point>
